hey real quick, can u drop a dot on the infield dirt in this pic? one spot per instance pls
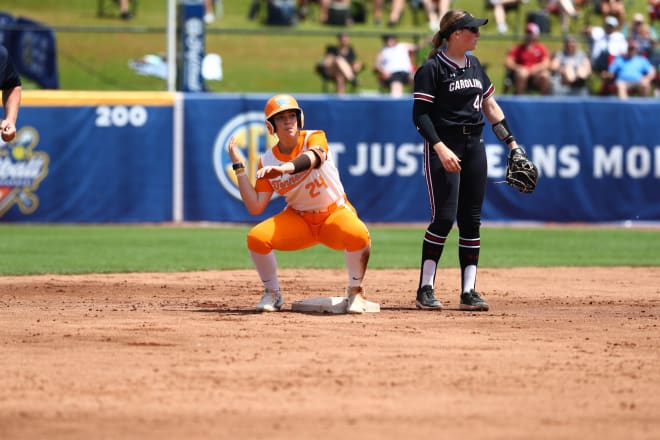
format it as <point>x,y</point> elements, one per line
<point>564,353</point>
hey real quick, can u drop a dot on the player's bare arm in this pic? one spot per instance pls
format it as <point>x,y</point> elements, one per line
<point>11,99</point>
<point>305,161</point>
<point>254,201</point>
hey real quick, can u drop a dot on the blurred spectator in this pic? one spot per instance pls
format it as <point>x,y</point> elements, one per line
<point>643,33</point>
<point>209,12</point>
<point>654,59</point>
<point>435,9</point>
<point>571,70</point>
<point>326,7</point>
<point>340,63</point>
<point>654,10</point>
<point>528,64</point>
<point>394,65</point>
<point>613,7</point>
<point>632,73</point>
<point>499,12</point>
<point>278,12</point>
<point>605,43</point>
<point>125,10</point>
<point>566,11</point>
<point>396,8</point>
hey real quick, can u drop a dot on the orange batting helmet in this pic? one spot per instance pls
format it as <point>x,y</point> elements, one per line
<point>278,104</point>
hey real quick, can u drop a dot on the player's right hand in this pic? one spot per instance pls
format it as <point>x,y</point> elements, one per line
<point>233,152</point>
<point>449,160</point>
<point>8,131</point>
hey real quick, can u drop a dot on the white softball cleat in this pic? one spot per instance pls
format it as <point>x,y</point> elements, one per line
<point>270,302</point>
<point>357,303</point>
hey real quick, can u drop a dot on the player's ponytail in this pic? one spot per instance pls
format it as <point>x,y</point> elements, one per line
<point>436,42</point>
<point>446,24</point>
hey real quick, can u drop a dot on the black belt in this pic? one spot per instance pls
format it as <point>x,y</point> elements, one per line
<point>462,129</point>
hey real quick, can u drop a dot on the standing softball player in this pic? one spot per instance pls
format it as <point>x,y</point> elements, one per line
<point>10,83</point>
<point>451,94</point>
<point>317,211</point>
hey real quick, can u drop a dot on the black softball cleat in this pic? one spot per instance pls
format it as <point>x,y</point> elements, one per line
<point>426,299</point>
<point>472,301</point>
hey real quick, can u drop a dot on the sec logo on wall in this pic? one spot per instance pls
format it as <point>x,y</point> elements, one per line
<point>22,169</point>
<point>252,139</point>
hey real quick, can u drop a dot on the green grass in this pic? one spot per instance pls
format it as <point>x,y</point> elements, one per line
<point>93,52</point>
<point>69,249</point>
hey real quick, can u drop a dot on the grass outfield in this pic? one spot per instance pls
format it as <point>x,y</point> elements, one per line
<point>68,249</point>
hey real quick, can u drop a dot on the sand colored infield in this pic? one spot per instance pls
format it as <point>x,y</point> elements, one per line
<point>563,353</point>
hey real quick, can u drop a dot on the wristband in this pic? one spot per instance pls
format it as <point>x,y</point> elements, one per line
<point>502,131</point>
<point>237,166</point>
<point>301,163</point>
<point>317,152</point>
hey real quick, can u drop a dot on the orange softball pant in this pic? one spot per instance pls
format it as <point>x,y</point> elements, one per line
<point>290,230</point>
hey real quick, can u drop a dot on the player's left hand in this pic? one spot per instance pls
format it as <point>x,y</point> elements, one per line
<point>521,173</point>
<point>269,172</point>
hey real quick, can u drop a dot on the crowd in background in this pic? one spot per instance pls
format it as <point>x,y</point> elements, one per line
<point>613,56</point>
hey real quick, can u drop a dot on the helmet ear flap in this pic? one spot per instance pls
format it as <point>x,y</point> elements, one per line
<point>270,126</point>
<point>278,104</point>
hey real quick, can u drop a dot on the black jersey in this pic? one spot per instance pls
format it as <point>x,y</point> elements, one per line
<point>8,75</point>
<point>456,93</point>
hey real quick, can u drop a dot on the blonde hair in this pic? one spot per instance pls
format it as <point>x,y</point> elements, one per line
<point>450,17</point>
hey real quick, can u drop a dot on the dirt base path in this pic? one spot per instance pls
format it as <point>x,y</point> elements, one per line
<point>563,353</point>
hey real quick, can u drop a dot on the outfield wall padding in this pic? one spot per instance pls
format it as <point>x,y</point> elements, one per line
<point>119,157</point>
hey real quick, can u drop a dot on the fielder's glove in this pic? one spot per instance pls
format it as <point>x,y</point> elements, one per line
<point>521,173</point>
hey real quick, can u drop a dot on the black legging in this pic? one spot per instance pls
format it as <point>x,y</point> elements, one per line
<point>457,196</point>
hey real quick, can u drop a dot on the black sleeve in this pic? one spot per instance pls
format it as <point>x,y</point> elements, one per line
<point>423,121</point>
<point>8,75</point>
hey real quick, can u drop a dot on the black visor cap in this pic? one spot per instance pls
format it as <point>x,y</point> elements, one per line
<point>466,21</point>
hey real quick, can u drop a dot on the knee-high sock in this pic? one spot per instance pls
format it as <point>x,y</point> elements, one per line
<point>432,248</point>
<point>356,265</point>
<point>469,277</point>
<point>468,256</point>
<point>266,265</point>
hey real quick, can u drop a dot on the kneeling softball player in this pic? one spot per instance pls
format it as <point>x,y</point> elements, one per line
<point>317,211</point>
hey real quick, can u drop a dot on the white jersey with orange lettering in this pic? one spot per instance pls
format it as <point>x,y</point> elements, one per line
<point>315,189</point>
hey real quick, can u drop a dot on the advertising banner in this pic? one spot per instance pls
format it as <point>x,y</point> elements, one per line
<point>191,46</point>
<point>108,160</point>
<point>125,157</point>
<point>599,159</point>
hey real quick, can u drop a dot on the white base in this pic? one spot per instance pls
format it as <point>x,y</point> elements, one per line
<point>332,304</point>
